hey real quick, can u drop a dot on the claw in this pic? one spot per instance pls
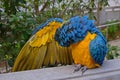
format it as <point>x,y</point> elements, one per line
<point>83,69</point>
<point>77,67</point>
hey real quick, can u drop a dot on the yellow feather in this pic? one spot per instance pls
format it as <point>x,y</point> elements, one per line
<point>39,57</point>
<point>22,56</point>
<point>27,65</point>
<point>81,54</point>
<point>44,39</point>
<point>42,50</point>
<point>45,35</point>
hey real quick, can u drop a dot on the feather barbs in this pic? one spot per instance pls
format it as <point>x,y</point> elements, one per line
<point>81,54</point>
<point>45,35</point>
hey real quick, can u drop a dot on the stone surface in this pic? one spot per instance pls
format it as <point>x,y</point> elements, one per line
<point>110,70</point>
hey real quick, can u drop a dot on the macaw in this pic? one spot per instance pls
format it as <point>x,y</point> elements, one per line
<point>41,50</point>
<point>88,45</point>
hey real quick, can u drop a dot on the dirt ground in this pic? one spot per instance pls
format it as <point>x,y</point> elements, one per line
<point>115,42</point>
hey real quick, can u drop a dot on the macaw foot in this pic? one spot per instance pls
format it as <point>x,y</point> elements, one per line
<point>80,67</point>
<point>77,67</point>
<point>83,69</point>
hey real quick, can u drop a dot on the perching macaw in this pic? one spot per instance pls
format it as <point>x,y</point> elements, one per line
<point>42,50</point>
<point>87,43</point>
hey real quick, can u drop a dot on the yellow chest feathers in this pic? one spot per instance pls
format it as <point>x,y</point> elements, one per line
<point>81,54</point>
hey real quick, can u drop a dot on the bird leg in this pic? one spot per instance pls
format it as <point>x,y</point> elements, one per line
<point>83,69</point>
<point>80,67</point>
<point>77,67</point>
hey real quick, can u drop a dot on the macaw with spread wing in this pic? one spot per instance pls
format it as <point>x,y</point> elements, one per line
<point>42,50</point>
<point>87,43</point>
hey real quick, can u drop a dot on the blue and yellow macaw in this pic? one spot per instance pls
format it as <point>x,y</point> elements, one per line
<point>87,43</point>
<point>42,50</point>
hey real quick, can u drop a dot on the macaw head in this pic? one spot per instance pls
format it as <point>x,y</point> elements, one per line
<point>74,30</point>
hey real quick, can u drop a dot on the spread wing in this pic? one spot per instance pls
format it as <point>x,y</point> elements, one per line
<point>42,50</point>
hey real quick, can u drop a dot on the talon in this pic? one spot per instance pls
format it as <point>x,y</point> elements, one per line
<point>83,69</point>
<point>77,67</point>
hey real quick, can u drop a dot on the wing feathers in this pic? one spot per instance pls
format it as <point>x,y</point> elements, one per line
<point>42,50</point>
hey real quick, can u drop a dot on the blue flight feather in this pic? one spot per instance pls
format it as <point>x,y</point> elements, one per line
<point>75,29</point>
<point>98,49</point>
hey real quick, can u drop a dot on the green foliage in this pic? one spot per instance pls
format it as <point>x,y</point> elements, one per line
<point>113,52</point>
<point>9,51</point>
<point>14,32</point>
<point>112,29</point>
<point>103,3</point>
<point>12,6</point>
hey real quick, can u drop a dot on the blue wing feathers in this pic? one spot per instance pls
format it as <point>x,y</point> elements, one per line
<point>74,30</point>
<point>98,49</point>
